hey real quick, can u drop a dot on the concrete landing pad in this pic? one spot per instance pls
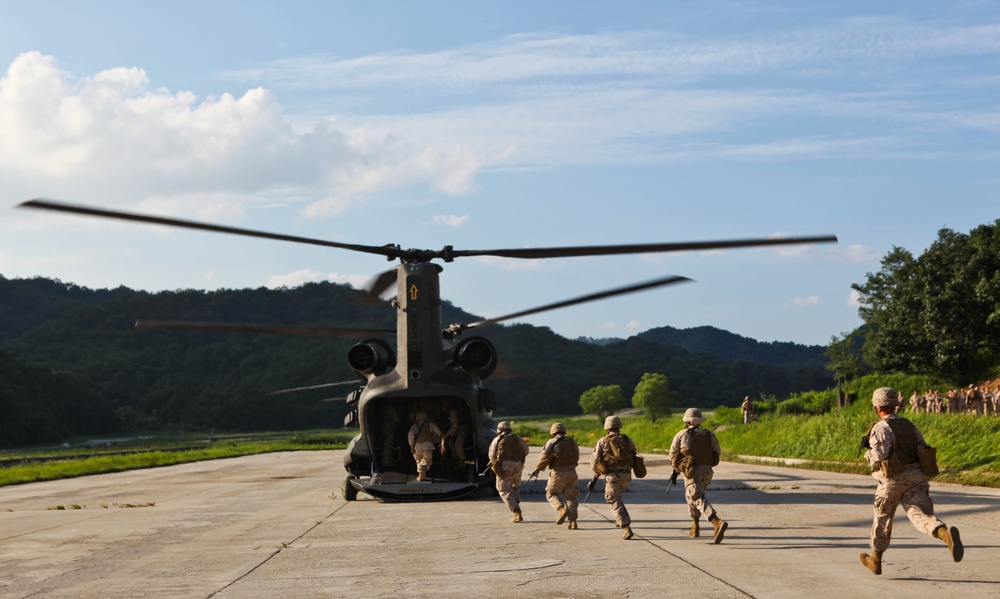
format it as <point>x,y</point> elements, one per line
<point>276,525</point>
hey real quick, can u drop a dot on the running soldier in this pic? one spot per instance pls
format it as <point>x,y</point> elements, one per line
<point>560,455</point>
<point>507,454</point>
<point>693,453</point>
<point>613,457</point>
<point>893,456</point>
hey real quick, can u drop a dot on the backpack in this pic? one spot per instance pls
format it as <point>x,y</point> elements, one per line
<point>509,448</point>
<point>620,452</point>
<point>567,454</point>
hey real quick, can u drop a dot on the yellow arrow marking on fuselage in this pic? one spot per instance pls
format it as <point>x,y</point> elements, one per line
<point>413,292</point>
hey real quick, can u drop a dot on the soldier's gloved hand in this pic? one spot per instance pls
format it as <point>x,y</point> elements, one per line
<point>865,443</point>
<point>591,484</point>
<point>533,474</point>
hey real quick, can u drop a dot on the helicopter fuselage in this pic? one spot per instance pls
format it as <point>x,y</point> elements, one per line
<point>433,374</point>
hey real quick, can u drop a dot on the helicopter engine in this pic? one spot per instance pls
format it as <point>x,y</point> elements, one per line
<point>371,357</point>
<point>475,355</point>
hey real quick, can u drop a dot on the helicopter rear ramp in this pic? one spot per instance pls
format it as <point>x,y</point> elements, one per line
<point>267,526</point>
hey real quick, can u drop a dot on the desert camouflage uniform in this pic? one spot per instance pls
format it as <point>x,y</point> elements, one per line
<point>424,436</point>
<point>563,489</point>
<point>509,485</point>
<point>616,478</point>
<point>909,488</point>
<point>701,473</point>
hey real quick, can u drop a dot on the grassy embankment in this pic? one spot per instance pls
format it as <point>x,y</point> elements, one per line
<point>24,466</point>
<point>968,446</point>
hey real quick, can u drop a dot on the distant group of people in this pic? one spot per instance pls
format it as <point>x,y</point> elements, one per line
<point>694,452</point>
<point>899,457</point>
<point>978,400</point>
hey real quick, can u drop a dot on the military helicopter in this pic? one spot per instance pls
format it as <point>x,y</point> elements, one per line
<point>435,370</point>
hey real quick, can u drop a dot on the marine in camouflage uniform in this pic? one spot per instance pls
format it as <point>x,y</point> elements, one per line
<point>896,437</point>
<point>617,471</point>
<point>693,453</point>
<point>423,437</point>
<point>507,454</point>
<point>560,455</point>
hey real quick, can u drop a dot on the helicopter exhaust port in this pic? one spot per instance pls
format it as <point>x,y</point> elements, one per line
<point>477,356</point>
<point>371,356</point>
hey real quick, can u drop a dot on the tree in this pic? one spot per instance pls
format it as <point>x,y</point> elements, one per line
<point>846,360</point>
<point>653,396</point>
<point>602,400</point>
<point>938,313</point>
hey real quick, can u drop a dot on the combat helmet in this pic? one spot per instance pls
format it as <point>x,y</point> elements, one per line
<point>558,428</point>
<point>693,416</point>
<point>883,397</point>
<point>503,427</point>
<point>612,422</point>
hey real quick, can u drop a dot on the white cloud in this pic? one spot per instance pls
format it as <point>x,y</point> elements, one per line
<point>452,220</point>
<point>122,139</point>
<point>609,325</point>
<point>854,298</point>
<point>633,325</point>
<point>803,302</point>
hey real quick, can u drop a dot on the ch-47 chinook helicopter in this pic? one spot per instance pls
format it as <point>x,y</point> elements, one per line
<point>434,369</point>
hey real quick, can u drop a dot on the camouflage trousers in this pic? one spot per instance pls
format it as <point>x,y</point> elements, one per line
<point>909,488</point>
<point>614,486</point>
<point>509,486</point>
<point>423,455</point>
<point>563,491</point>
<point>694,492</point>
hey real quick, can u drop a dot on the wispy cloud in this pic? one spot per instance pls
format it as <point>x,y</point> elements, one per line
<point>451,220</point>
<point>803,302</point>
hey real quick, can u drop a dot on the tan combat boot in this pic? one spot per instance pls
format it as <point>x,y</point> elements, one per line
<point>517,516</point>
<point>572,525</point>
<point>695,528</point>
<point>627,532</point>
<point>873,562</point>
<point>720,528</point>
<point>563,514</point>
<point>952,540</point>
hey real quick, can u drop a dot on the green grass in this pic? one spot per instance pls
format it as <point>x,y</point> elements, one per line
<point>151,453</point>
<point>968,446</point>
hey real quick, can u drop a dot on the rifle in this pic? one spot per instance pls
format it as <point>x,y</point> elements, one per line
<point>865,444</point>
<point>590,487</point>
<point>673,480</point>
<point>532,476</point>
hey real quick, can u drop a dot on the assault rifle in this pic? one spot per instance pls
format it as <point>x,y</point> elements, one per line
<point>673,480</point>
<point>532,476</point>
<point>590,487</point>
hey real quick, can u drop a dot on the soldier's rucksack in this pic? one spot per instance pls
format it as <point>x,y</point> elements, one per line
<point>509,448</point>
<point>620,451</point>
<point>567,454</point>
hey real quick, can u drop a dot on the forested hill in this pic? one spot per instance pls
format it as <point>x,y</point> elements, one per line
<point>730,346</point>
<point>125,380</point>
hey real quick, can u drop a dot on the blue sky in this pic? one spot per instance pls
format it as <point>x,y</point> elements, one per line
<point>488,125</point>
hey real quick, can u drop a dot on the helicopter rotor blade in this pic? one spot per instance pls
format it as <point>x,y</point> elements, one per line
<point>324,385</point>
<point>379,285</point>
<point>579,300</point>
<point>641,248</point>
<point>43,204</point>
<point>225,327</point>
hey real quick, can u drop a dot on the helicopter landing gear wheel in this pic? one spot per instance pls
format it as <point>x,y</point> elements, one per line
<point>350,493</point>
